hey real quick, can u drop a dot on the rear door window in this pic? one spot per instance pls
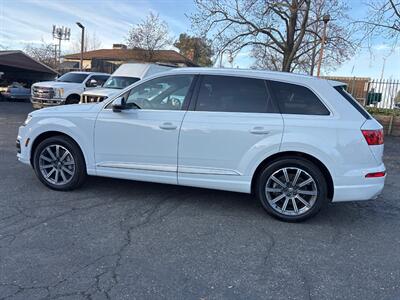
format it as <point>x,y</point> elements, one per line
<point>234,94</point>
<point>296,99</point>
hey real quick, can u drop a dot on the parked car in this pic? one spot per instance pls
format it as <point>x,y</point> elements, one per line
<point>65,90</point>
<point>16,91</point>
<point>124,76</point>
<point>296,142</point>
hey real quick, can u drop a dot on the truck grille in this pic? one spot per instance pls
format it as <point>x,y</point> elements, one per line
<point>42,92</point>
<point>92,98</point>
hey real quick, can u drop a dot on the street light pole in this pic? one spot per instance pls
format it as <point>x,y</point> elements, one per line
<point>82,44</point>
<point>326,19</point>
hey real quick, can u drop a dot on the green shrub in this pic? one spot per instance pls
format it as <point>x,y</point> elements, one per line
<point>383,111</point>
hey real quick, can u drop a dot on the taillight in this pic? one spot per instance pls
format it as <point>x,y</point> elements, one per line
<point>373,137</point>
<point>375,175</point>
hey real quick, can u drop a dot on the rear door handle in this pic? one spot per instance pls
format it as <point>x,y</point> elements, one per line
<point>168,126</point>
<point>259,130</point>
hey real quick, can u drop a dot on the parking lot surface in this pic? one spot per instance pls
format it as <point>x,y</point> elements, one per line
<point>116,239</point>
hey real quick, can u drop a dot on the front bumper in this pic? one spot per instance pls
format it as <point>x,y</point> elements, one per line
<point>23,145</point>
<point>43,102</point>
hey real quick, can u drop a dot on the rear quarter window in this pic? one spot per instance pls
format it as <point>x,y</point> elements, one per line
<point>341,89</point>
<point>296,99</point>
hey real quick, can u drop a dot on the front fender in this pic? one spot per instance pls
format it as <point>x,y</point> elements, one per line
<point>80,129</point>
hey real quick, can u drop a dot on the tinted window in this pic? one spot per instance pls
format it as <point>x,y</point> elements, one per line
<point>296,99</point>
<point>100,79</point>
<point>342,91</point>
<point>233,94</point>
<point>73,77</point>
<point>166,93</point>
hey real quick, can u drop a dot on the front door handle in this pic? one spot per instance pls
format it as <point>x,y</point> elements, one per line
<point>259,130</point>
<point>168,126</point>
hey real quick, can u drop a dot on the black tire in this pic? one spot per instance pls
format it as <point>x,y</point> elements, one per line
<point>72,99</point>
<point>278,210</point>
<point>79,172</point>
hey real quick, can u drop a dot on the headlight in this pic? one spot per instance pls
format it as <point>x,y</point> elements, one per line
<point>27,120</point>
<point>58,92</point>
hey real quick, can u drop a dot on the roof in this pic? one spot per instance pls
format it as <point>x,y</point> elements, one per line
<point>162,56</point>
<point>87,73</point>
<point>264,74</point>
<point>18,59</point>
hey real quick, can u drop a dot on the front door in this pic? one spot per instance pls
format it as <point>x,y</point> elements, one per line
<point>141,141</point>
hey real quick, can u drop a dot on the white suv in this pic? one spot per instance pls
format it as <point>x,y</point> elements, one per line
<point>296,142</point>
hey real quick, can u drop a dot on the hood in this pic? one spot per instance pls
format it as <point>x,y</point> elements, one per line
<point>103,92</point>
<point>70,108</point>
<point>55,84</point>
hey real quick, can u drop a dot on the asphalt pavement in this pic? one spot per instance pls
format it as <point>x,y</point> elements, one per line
<point>118,239</point>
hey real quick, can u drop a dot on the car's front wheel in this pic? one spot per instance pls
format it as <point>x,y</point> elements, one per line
<point>292,189</point>
<point>59,163</point>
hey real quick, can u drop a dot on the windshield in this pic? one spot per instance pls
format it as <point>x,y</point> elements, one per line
<point>73,77</point>
<point>119,82</point>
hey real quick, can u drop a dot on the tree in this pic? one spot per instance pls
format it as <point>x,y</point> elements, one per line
<point>151,34</point>
<point>91,42</point>
<point>383,20</point>
<point>282,35</point>
<point>43,52</point>
<point>197,49</point>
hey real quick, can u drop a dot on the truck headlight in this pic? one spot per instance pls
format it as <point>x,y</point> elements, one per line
<point>58,92</point>
<point>27,120</point>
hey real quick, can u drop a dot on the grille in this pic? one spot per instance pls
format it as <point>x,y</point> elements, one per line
<point>42,92</point>
<point>92,98</point>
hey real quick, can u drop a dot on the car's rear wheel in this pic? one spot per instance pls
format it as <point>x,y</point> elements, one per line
<point>292,189</point>
<point>59,163</point>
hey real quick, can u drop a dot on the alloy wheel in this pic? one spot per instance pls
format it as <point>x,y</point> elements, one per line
<point>291,191</point>
<point>57,165</point>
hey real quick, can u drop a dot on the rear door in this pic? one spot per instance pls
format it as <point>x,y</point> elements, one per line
<point>233,126</point>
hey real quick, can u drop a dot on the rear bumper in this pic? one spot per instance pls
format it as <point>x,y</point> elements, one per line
<point>362,189</point>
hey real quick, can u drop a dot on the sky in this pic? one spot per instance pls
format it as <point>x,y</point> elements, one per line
<point>24,22</point>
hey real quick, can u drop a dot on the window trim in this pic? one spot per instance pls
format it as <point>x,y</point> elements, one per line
<point>197,93</point>
<point>315,93</point>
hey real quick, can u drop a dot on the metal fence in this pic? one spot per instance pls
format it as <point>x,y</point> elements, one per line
<point>382,93</point>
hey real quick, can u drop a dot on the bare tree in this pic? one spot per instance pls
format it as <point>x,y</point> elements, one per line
<point>383,21</point>
<point>43,52</point>
<point>151,34</point>
<point>282,35</point>
<point>92,42</point>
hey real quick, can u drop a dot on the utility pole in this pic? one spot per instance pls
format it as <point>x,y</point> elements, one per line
<point>61,34</point>
<point>55,54</point>
<point>326,19</point>
<point>82,43</point>
<point>383,67</point>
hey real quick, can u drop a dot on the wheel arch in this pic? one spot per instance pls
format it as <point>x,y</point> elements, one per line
<point>72,96</point>
<point>294,154</point>
<point>48,134</point>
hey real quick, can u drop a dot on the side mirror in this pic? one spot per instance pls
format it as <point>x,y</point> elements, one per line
<point>92,83</point>
<point>118,104</point>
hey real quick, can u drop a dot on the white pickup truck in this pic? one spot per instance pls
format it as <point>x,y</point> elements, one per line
<point>65,90</point>
<point>124,76</point>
